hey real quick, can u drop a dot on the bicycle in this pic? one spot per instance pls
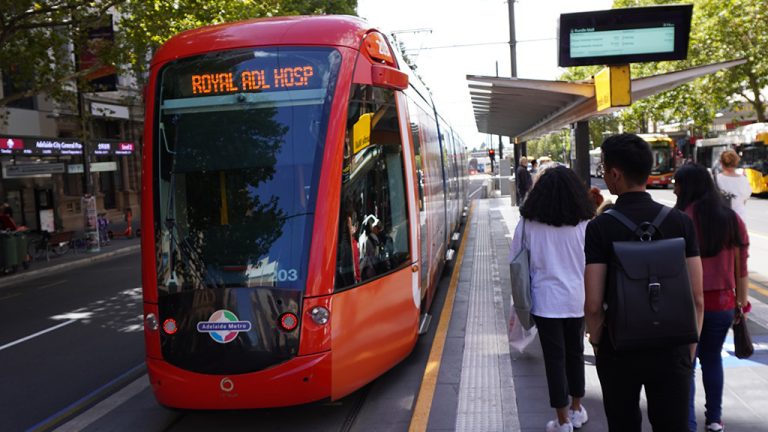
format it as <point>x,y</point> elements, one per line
<point>47,244</point>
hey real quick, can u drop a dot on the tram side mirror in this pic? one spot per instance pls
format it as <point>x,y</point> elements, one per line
<point>389,77</point>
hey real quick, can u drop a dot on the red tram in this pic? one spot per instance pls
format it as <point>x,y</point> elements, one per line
<point>300,195</point>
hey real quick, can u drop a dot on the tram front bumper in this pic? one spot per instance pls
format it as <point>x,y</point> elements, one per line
<point>300,380</point>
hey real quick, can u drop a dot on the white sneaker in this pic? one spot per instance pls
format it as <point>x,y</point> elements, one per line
<point>578,418</point>
<point>555,426</point>
<point>715,427</point>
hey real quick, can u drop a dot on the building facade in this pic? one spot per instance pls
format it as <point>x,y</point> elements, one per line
<point>46,150</point>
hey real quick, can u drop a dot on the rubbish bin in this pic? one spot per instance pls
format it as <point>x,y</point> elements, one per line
<point>22,243</point>
<point>10,257</point>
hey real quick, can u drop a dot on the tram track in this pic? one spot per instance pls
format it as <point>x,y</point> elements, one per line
<point>356,408</point>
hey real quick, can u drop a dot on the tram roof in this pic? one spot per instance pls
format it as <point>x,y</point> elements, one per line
<point>526,108</point>
<point>326,30</point>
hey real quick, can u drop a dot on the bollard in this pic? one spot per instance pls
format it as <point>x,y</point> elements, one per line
<point>512,191</point>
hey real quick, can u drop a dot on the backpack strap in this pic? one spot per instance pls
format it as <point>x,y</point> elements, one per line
<point>646,230</point>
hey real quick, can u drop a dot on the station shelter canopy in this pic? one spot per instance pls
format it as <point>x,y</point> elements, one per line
<point>526,108</point>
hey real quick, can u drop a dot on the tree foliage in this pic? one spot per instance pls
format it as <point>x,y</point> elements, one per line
<point>36,37</point>
<point>721,30</point>
<point>555,145</point>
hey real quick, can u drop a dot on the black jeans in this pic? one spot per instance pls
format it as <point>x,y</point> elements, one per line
<point>562,342</point>
<point>665,374</point>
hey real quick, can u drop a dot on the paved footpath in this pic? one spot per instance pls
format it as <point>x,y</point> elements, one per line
<point>71,260</point>
<point>745,398</point>
<point>483,385</point>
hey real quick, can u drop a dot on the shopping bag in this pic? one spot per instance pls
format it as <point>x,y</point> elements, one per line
<point>520,277</point>
<point>519,336</point>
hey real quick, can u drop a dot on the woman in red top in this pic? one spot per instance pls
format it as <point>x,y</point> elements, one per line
<point>724,246</point>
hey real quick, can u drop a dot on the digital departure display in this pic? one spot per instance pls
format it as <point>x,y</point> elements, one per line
<point>251,80</point>
<point>589,42</point>
<point>621,36</point>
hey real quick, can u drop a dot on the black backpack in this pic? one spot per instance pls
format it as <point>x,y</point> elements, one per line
<point>650,304</point>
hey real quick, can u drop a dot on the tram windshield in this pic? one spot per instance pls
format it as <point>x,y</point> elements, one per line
<point>238,147</point>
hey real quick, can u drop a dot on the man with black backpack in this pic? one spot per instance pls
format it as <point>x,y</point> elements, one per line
<point>644,303</point>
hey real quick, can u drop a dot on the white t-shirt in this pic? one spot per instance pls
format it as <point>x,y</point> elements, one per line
<point>738,186</point>
<point>557,267</point>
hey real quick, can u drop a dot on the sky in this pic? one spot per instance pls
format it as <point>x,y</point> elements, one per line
<point>426,26</point>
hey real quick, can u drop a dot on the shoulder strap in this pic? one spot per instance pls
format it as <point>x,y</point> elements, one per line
<point>623,219</point>
<point>646,230</point>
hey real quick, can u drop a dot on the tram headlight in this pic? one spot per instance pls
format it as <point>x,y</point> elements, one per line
<point>151,322</point>
<point>320,315</point>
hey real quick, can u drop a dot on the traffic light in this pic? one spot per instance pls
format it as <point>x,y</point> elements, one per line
<point>492,154</point>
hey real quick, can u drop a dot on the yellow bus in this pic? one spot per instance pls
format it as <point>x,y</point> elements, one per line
<point>664,159</point>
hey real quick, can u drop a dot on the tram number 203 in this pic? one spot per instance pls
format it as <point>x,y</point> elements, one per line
<point>289,275</point>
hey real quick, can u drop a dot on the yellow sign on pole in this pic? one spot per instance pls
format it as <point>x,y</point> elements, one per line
<point>613,87</point>
<point>361,132</point>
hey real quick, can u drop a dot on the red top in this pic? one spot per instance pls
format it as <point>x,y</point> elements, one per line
<point>719,280</point>
<point>6,222</point>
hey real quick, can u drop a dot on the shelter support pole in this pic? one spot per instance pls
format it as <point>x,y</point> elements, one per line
<point>580,150</point>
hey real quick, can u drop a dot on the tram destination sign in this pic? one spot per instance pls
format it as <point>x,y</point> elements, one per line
<point>621,36</point>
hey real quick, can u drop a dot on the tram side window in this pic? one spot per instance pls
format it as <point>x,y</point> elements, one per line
<point>373,230</point>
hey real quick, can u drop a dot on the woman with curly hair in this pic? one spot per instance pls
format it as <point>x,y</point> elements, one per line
<point>553,221</point>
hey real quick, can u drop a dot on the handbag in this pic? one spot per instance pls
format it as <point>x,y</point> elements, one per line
<point>742,340</point>
<point>520,275</point>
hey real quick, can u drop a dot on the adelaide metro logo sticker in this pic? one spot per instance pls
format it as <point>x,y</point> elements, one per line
<point>223,326</point>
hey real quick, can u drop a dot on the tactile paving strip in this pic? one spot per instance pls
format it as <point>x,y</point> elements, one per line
<point>486,396</point>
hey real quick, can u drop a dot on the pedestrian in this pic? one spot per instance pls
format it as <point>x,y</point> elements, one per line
<point>553,221</point>
<point>735,185</point>
<point>523,180</point>
<point>724,245</point>
<point>371,245</point>
<point>665,371</point>
<point>534,167</point>
<point>6,219</point>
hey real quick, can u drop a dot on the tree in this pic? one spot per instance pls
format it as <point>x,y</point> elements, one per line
<point>552,145</point>
<point>35,39</point>
<point>35,36</point>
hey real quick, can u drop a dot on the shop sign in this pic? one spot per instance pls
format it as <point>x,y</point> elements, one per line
<point>94,167</point>
<point>113,148</point>
<point>28,170</point>
<point>39,146</point>
<point>61,146</point>
<point>109,110</point>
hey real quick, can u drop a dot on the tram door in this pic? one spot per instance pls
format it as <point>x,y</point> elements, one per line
<point>44,208</point>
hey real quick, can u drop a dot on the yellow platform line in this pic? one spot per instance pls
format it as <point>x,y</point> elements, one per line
<point>420,417</point>
<point>761,290</point>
